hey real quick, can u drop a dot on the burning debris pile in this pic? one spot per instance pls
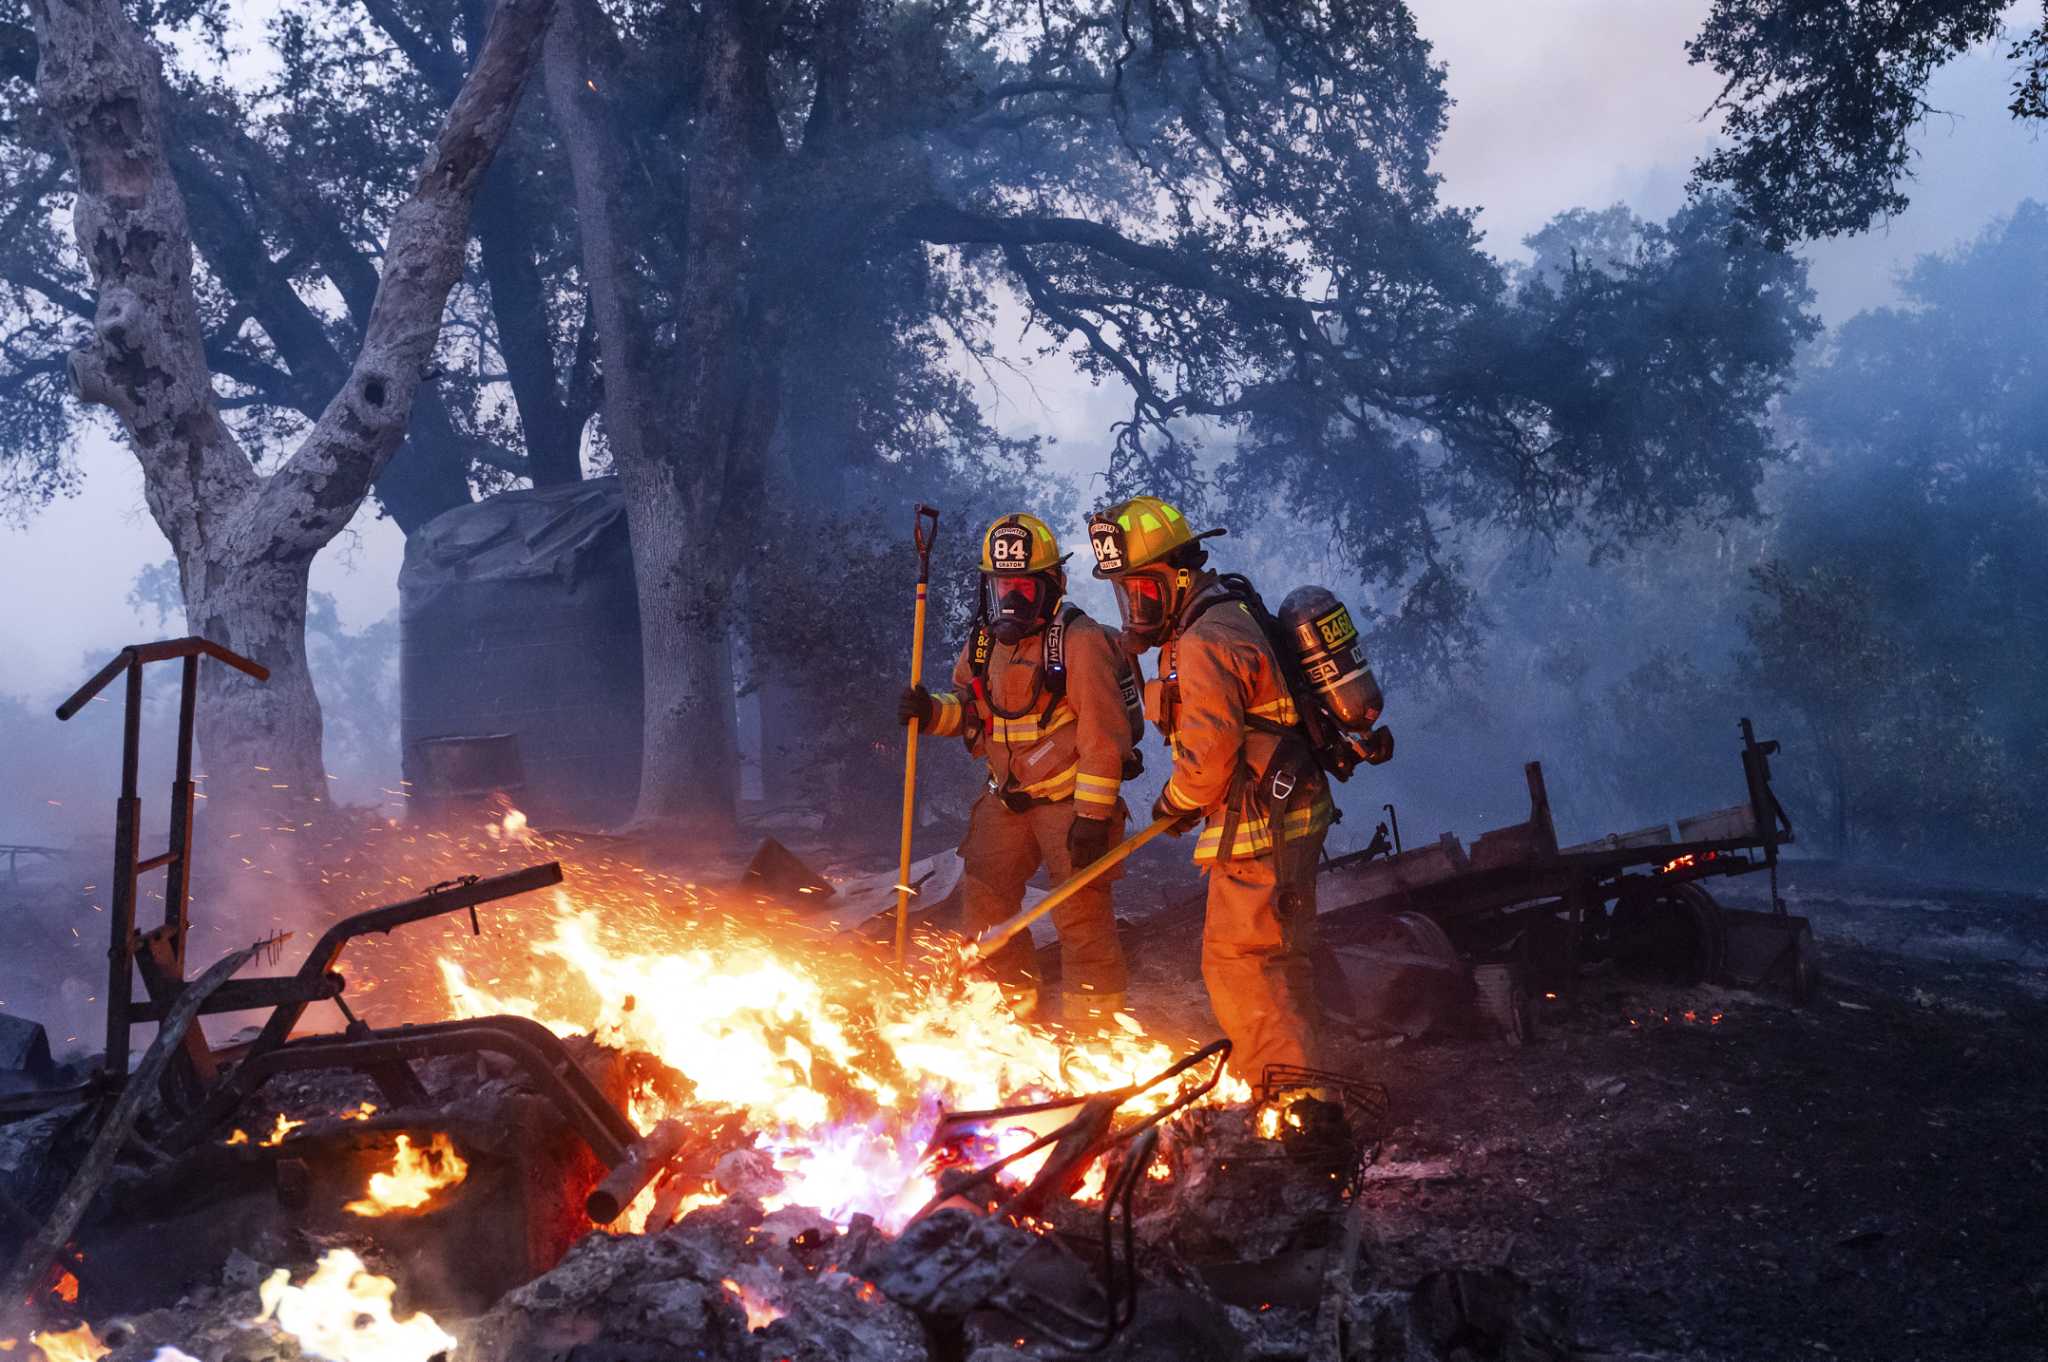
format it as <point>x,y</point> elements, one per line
<point>792,1144</point>
<point>796,1150</point>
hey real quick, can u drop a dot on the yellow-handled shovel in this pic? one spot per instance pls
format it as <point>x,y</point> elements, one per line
<point>924,529</point>
<point>998,936</point>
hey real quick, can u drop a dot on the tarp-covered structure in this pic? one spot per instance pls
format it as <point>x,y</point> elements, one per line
<point>521,634</point>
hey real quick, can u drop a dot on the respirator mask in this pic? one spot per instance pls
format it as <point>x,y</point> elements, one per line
<point>1017,606</point>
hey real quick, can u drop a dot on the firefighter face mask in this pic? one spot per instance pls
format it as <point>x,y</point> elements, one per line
<point>1018,606</point>
<point>1144,600</point>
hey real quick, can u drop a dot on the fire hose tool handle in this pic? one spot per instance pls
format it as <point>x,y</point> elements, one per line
<point>924,530</point>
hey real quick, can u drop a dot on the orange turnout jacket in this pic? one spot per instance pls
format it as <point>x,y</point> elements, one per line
<point>1069,746</point>
<point>1220,689</point>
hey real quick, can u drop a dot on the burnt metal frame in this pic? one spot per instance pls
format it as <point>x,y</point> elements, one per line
<point>1075,1144</point>
<point>385,1055</point>
<point>1079,1140</point>
<point>1579,882</point>
<point>164,948</point>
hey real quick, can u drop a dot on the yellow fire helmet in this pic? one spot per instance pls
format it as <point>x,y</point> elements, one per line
<point>1017,544</point>
<point>1138,533</point>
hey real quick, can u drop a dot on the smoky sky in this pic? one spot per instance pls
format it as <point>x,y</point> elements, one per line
<point>1558,104</point>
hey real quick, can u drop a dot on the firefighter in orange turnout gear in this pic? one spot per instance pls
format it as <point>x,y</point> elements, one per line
<point>1240,765</point>
<point>1046,696</point>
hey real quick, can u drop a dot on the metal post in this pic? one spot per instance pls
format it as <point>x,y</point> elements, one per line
<point>178,870</point>
<point>121,928</point>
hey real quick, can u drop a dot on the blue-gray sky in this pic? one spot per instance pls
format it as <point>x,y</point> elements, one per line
<point>1559,103</point>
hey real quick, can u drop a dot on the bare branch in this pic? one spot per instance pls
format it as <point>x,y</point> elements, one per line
<point>323,483</point>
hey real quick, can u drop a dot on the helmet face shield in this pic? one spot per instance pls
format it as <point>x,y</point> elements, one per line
<point>1018,604</point>
<point>1142,600</point>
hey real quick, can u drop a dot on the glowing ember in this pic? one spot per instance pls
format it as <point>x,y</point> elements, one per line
<point>512,829</point>
<point>67,1287</point>
<point>239,1137</point>
<point>416,1174</point>
<point>343,1314</point>
<point>760,1314</point>
<point>362,1113</point>
<point>75,1345</point>
<point>285,1126</point>
<point>842,1066</point>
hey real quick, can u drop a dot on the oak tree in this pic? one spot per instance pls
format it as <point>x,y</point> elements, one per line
<point>244,537</point>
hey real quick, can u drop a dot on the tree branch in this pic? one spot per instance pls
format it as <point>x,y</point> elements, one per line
<point>320,487</point>
<point>575,85</point>
<point>102,84</point>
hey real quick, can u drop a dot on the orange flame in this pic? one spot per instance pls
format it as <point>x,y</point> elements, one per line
<point>285,1126</point>
<point>760,1312</point>
<point>843,1066</point>
<point>343,1313</point>
<point>416,1174</point>
<point>73,1345</point>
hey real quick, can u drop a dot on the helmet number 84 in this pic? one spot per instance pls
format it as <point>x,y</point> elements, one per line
<point>1010,552</point>
<point>1108,553</point>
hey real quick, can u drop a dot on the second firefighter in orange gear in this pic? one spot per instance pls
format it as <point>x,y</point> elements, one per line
<point>1048,699</point>
<point>1240,765</point>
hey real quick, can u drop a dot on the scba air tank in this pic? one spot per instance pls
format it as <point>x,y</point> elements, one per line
<point>1333,660</point>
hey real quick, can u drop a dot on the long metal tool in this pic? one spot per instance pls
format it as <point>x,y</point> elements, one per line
<point>1000,935</point>
<point>924,529</point>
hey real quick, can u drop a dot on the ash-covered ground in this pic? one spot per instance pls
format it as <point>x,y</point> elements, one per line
<point>1865,1177</point>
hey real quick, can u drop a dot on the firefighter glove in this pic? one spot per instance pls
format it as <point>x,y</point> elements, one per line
<point>1087,842</point>
<point>916,703</point>
<point>1184,819</point>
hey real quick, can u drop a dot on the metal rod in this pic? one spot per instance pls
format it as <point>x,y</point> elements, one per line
<point>121,914</point>
<point>158,652</point>
<point>242,995</point>
<point>998,936</point>
<point>609,1199</point>
<point>178,879</point>
<point>433,903</point>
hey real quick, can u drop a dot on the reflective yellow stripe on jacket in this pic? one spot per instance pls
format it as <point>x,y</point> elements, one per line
<point>948,714</point>
<point>1099,791</point>
<point>1090,717</point>
<point>1230,694</point>
<point>1254,835</point>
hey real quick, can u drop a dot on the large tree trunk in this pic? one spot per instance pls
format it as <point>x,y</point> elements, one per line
<point>245,541</point>
<point>688,436</point>
<point>261,741</point>
<point>689,756</point>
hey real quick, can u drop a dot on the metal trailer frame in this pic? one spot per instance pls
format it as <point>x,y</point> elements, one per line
<point>1483,901</point>
<point>201,1088</point>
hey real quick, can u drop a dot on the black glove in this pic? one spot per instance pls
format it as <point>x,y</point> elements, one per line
<point>915,703</point>
<point>1087,842</point>
<point>1184,818</point>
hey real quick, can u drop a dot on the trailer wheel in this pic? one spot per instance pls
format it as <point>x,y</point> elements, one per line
<point>1670,932</point>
